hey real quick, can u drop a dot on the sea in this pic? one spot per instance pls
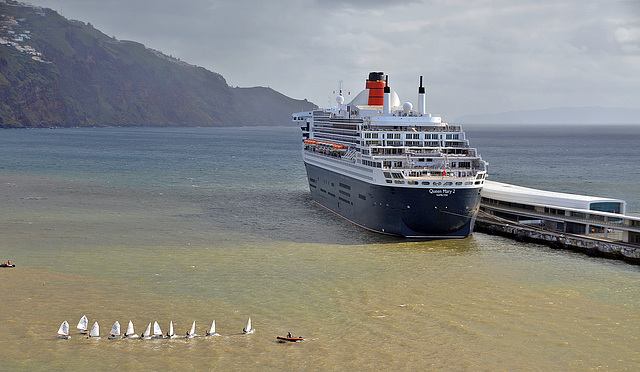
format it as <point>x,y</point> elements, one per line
<point>197,224</point>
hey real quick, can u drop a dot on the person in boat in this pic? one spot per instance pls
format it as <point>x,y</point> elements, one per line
<point>289,335</point>
<point>207,333</point>
<point>188,333</point>
<point>244,331</point>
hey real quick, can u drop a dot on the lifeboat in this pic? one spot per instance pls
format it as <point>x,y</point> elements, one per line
<point>334,145</point>
<point>325,143</point>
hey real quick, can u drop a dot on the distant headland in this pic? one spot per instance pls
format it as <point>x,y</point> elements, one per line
<point>56,72</point>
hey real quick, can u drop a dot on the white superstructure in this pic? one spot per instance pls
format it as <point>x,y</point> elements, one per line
<point>392,144</point>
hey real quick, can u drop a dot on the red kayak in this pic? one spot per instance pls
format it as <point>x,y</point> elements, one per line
<point>289,339</point>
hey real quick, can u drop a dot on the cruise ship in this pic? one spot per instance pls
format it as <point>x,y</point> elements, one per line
<point>389,168</point>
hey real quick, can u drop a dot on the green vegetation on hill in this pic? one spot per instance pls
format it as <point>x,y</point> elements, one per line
<point>83,77</point>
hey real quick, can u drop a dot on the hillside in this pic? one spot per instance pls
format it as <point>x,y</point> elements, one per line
<point>56,72</point>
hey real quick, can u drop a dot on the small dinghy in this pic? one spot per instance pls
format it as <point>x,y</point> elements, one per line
<point>63,331</point>
<point>95,332</point>
<point>8,264</point>
<point>289,338</point>
<point>248,330</point>
<point>83,325</point>
<point>170,334</point>
<point>157,332</point>
<point>115,331</point>
<point>212,330</point>
<point>147,334</point>
<point>131,333</point>
<point>192,332</point>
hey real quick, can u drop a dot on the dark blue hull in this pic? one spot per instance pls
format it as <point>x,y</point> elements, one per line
<point>432,213</point>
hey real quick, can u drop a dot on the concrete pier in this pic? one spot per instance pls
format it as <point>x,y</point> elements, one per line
<point>589,245</point>
<point>591,225</point>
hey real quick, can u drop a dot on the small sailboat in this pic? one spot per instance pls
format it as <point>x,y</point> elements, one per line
<point>147,334</point>
<point>83,325</point>
<point>212,330</point>
<point>131,333</point>
<point>170,334</point>
<point>192,332</point>
<point>115,331</point>
<point>248,330</point>
<point>157,332</point>
<point>95,332</point>
<point>63,331</point>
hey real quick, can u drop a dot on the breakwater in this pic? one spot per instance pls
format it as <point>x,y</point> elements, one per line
<point>589,245</point>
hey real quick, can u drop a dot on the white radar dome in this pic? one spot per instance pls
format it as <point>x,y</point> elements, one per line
<point>407,107</point>
<point>340,100</point>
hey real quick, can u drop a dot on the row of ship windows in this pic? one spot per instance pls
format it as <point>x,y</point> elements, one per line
<point>374,164</point>
<point>400,143</point>
<point>397,180</point>
<point>334,138</point>
<point>400,164</point>
<point>333,195</point>
<point>342,185</point>
<point>339,197</point>
<point>437,183</point>
<point>414,143</point>
<point>409,136</point>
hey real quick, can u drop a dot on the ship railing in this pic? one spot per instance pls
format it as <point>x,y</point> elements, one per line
<point>440,173</point>
<point>413,156</point>
<point>338,119</point>
<point>471,152</point>
<point>405,128</point>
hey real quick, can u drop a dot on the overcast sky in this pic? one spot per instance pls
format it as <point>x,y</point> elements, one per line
<point>477,56</point>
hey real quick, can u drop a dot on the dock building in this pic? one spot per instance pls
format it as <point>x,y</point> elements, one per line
<point>577,220</point>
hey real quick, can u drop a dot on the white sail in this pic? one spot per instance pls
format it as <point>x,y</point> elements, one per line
<point>212,330</point>
<point>64,329</point>
<point>147,333</point>
<point>171,329</point>
<point>131,333</point>
<point>95,330</point>
<point>115,330</point>
<point>130,330</point>
<point>83,324</point>
<point>249,330</point>
<point>157,332</point>
<point>192,332</point>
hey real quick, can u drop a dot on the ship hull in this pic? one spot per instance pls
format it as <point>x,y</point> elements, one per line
<point>412,212</point>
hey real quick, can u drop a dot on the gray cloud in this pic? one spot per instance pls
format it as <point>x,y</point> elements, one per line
<point>477,56</point>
